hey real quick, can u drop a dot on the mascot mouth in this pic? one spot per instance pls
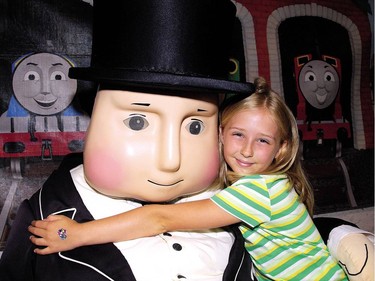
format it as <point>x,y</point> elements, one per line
<point>159,184</point>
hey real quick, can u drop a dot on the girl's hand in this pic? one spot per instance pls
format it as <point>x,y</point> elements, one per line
<point>56,233</point>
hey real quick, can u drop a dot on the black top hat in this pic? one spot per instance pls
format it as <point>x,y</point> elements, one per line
<point>163,44</point>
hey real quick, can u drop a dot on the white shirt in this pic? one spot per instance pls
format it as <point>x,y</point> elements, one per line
<point>198,255</point>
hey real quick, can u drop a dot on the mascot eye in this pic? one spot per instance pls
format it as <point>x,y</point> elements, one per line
<point>31,76</point>
<point>136,123</point>
<point>195,127</point>
<point>58,75</point>
<point>328,76</point>
<point>310,76</point>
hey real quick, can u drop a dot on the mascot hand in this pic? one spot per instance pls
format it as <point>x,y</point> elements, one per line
<point>354,250</point>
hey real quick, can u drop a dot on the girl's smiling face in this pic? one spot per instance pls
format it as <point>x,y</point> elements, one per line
<point>251,141</point>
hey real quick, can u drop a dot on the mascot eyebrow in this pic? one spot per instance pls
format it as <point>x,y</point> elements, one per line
<point>141,104</point>
<point>148,104</point>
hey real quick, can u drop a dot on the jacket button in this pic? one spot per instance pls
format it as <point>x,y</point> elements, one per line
<point>177,247</point>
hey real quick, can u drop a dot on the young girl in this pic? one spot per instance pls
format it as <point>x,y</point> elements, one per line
<point>267,194</point>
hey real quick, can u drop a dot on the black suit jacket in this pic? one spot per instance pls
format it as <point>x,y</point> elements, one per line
<point>97,262</point>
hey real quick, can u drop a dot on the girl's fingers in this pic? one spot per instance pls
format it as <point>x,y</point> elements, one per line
<point>44,223</point>
<point>36,231</point>
<point>54,217</point>
<point>38,241</point>
<point>40,223</point>
<point>44,251</point>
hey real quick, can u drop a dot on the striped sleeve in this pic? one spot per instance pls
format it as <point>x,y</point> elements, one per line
<point>248,200</point>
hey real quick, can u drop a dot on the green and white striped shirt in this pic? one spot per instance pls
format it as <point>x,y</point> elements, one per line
<point>280,236</point>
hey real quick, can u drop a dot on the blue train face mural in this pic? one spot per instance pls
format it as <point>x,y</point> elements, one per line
<point>42,119</point>
<point>41,84</point>
<point>319,114</point>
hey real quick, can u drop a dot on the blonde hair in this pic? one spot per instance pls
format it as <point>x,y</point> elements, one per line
<point>288,162</point>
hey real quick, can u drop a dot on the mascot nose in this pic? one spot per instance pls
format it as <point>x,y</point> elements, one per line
<point>169,150</point>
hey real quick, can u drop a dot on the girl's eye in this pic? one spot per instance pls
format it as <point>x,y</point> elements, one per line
<point>263,141</point>
<point>195,127</point>
<point>237,134</point>
<point>136,123</point>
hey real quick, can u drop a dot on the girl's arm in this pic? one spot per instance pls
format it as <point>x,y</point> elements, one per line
<point>141,222</point>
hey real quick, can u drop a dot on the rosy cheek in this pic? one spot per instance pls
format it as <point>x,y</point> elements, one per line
<point>212,169</point>
<point>103,172</point>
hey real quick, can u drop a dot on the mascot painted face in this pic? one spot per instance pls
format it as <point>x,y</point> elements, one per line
<point>158,140</point>
<point>319,83</point>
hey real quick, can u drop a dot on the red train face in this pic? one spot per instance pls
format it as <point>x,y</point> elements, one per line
<point>319,83</point>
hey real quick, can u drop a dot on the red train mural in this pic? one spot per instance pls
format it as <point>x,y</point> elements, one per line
<point>319,114</point>
<point>42,119</point>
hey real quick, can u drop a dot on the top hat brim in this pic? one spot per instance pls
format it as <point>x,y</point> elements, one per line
<point>124,78</point>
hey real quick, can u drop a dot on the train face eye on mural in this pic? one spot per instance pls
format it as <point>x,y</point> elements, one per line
<point>319,83</point>
<point>42,118</point>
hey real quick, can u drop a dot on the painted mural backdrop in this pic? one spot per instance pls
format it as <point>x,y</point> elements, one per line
<point>41,118</point>
<point>43,113</point>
